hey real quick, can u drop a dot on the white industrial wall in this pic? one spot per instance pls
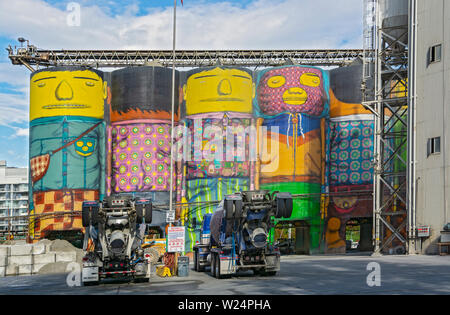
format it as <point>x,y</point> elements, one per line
<point>433,119</point>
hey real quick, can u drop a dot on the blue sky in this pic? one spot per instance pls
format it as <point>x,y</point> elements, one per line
<point>147,24</point>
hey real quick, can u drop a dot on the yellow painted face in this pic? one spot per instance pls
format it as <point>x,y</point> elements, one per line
<point>219,90</point>
<point>67,93</point>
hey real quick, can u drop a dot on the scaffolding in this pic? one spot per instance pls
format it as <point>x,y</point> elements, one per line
<point>392,103</point>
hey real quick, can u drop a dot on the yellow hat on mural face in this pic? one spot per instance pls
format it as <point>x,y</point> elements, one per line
<point>219,90</point>
<point>67,93</point>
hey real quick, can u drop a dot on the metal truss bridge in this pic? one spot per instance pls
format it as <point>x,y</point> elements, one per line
<point>30,56</point>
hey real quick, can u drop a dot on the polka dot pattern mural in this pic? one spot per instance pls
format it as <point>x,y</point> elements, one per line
<point>140,157</point>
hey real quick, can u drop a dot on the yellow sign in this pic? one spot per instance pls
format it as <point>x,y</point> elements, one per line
<point>219,90</point>
<point>67,93</point>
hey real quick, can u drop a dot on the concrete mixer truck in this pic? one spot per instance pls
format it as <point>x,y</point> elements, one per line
<point>113,239</point>
<point>239,234</point>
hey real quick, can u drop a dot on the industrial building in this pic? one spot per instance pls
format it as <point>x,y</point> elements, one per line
<point>374,138</point>
<point>13,199</point>
<point>432,158</point>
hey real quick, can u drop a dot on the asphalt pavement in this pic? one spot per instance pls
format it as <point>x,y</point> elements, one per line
<point>349,274</point>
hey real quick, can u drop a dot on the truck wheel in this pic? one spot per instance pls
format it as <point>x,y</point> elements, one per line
<point>199,267</point>
<point>268,273</point>
<point>213,264</point>
<point>217,267</point>
<point>289,206</point>
<point>195,260</point>
<point>280,209</point>
<point>94,216</point>
<point>229,209</point>
<point>85,217</point>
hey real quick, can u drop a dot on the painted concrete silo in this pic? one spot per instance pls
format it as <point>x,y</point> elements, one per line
<point>217,114</point>
<point>139,134</point>
<point>350,137</point>
<point>67,148</point>
<point>291,103</point>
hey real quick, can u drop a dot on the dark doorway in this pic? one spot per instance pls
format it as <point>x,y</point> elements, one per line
<point>358,235</point>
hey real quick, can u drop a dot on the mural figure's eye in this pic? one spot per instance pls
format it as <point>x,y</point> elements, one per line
<point>41,84</point>
<point>310,79</point>
<point>88,83</point>
<point>276,81</point>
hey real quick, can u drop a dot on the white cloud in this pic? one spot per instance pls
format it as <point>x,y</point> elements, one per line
<point>21,132</point>
<point>263,24</point>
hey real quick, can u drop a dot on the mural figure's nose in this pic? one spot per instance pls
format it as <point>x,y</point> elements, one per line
<point>224,87</point>
<point>64,91</point>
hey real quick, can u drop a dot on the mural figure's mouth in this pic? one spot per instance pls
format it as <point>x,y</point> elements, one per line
<point>222,99</point>
<point>66,106</point>
<point>295,96</point>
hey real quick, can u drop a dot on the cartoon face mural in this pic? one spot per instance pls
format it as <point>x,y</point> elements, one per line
<point>218,90</point>
<point>293,89</point>
<point>67,93</point>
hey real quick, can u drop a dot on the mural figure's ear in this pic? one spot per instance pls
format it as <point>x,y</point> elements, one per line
<point>253,90</point>
<point>184,91</point>
<point>105,90</point>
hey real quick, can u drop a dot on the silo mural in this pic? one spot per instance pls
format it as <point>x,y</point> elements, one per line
<point>139,135</point>
<point>67,147</point>
<point>349,160</point>
<point>217,115</point>
<point>291,103</point>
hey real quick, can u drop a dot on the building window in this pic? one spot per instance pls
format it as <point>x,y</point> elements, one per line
<point>434,54</point>
<point>434,146</point>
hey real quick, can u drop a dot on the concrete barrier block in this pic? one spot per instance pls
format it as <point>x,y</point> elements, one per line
<point>44,258</point>
<point>25,269</point>
<point>21,260</point>
<point>39,249</point>
<point>37,267</point>
<point>3,261</point>
<point>4,250</point>
<point>12,270</point>
<point>21,250</point>
<point>66,256</point>
<point>2,272</point>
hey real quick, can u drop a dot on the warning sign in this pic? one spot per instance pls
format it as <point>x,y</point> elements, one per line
<point>175,239</point>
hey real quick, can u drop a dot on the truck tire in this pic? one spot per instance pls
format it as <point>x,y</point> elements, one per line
<point>85,217</point>
<point>238,210</point>
<point>213,264</point>
<point>229,209</point>
<point>196,262</point>
<point>289,207</point>
<point>280,209</point>
<point>200,268</point>
<point>270,273</point>
<point>95,218</point>
<point>217,267</point>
